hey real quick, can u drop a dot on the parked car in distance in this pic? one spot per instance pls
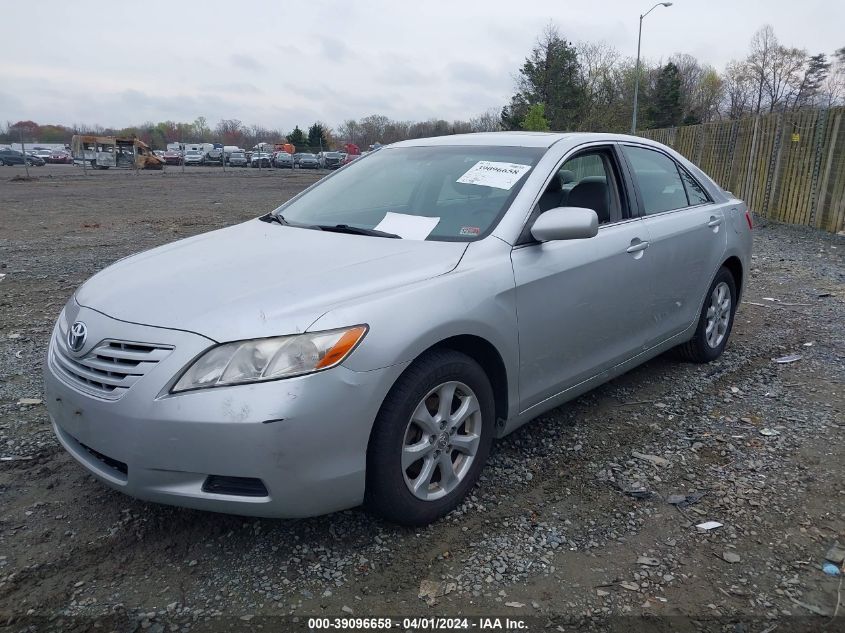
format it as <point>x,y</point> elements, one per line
<point>43,154</point>
<point>260,159</point>
<point>283,160</point>
<point>14,157</point>
<point>214,156</point>
<point>193,157</point>
<point>329,160</point>
<point>307,161</point>
<point>527,269</point>
<point>349,158</point>
<point>173,157</point>
<point>237,159</point>
<point>60,157</point>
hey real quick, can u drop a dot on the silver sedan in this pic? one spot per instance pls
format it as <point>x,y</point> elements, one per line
<point>368,340</point>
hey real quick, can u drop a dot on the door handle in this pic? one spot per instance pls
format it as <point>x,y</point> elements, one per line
<point>714,222</point>
<point>637,246</point>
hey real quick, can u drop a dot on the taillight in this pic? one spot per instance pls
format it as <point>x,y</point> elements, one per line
<point>748,219</point>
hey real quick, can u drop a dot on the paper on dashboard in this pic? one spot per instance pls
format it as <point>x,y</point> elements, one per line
<point>408,227</point>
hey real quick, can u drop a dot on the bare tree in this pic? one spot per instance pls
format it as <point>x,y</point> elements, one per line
<point>740,89</point>
<point>487,121</point>
<point>833,89</point>
<point>350,132</point>
<point>763,44</point>
<point>784,77</point>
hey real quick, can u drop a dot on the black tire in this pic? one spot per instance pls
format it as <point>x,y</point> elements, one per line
<point>387,494</point>
<point>697,349</point>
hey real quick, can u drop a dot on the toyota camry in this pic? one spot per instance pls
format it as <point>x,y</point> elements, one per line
<point>368,340</point>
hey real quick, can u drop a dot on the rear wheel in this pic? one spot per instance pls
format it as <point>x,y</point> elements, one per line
<point>715,321</point>
<point>431,439</point>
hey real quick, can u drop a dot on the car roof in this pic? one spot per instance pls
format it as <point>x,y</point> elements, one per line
<point>519,139</point>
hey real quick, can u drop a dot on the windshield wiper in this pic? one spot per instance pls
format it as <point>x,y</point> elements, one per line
<point>354,230</point>
<point>334,228</point>
<point>275,217</point>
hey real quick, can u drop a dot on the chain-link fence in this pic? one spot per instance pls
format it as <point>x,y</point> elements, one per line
<point>788,166</point>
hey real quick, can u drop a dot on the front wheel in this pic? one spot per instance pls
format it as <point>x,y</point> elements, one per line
<point>430,439</point>
<point>715,321</point>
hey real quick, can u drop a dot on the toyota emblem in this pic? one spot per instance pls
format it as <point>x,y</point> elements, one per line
<point>76,336</point>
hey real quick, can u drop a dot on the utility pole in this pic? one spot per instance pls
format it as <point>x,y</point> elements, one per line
<point>637,72</point>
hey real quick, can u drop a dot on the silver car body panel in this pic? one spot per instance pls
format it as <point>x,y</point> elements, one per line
<point>562,316</point>
<point>170,444</point>
<point>257,279</point>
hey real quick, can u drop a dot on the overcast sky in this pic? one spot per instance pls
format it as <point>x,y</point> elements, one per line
<point>281,63</point>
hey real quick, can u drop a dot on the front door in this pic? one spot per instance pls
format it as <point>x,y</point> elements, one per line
<point>582,305</point>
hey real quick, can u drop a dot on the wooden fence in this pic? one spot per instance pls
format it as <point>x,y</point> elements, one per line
<point>787,166</point>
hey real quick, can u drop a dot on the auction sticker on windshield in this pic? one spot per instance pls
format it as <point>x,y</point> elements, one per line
<point>487,173</point>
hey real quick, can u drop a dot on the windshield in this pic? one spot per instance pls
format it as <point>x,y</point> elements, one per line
<point>444,193</point>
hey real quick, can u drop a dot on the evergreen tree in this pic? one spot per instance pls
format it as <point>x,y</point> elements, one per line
<point>665,109</point>
<point>317,137</point>
<point>298,140</point>
<point>551,76</point>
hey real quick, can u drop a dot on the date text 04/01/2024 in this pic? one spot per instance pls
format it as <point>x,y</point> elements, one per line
<point>428,623</point>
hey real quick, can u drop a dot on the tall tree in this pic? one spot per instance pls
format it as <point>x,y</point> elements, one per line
<point>763,44</point>
<point>201,129</point>
<point>298,139</point>
<point>815,76</point>
<point>317,137</point>
<point>551,76</point>
<point>665,109</point>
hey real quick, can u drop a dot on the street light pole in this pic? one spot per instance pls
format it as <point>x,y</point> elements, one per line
<point>637,72</point>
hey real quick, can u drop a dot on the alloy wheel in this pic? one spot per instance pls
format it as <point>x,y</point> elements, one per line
<point>718,315</point>
<point>441,440</point>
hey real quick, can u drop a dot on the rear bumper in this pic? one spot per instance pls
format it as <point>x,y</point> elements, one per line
<point>304,438</point>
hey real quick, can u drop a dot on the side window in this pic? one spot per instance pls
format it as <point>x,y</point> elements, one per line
<point>587,180</point>
<point>660,183</point>
<point>695,193</point>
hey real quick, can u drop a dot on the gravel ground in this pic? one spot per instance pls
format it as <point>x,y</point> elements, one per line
<point>584,519</point>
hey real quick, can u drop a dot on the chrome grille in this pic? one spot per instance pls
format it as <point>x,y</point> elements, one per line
<point>110,368</point>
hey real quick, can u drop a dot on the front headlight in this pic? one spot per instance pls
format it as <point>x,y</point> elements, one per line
<point>263,359</point>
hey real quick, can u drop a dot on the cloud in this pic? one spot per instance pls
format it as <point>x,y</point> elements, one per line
<point>245,61</point>
<point>330,61</point>
<point>477,75</point>
<point>335,50</point>
<point>237,87</point>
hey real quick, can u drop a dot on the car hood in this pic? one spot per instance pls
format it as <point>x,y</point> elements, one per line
<point>258,279</point>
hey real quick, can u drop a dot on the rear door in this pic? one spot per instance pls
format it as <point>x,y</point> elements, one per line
<point>687,238</point>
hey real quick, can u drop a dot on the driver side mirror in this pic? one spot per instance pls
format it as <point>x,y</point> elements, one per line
<point>565,223</point>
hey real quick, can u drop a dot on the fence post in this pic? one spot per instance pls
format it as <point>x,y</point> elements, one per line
<point>828,166</point>
<point>818,141</point>
<point>732,154</point>
<point>774,165</point>
<point>23,152</point>
<point>746,188</point>
<point>699,144</point>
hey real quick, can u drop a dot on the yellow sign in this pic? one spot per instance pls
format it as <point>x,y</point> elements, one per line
<point>796,137</point>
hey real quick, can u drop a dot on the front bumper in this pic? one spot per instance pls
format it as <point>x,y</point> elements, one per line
<point>304,438</point>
